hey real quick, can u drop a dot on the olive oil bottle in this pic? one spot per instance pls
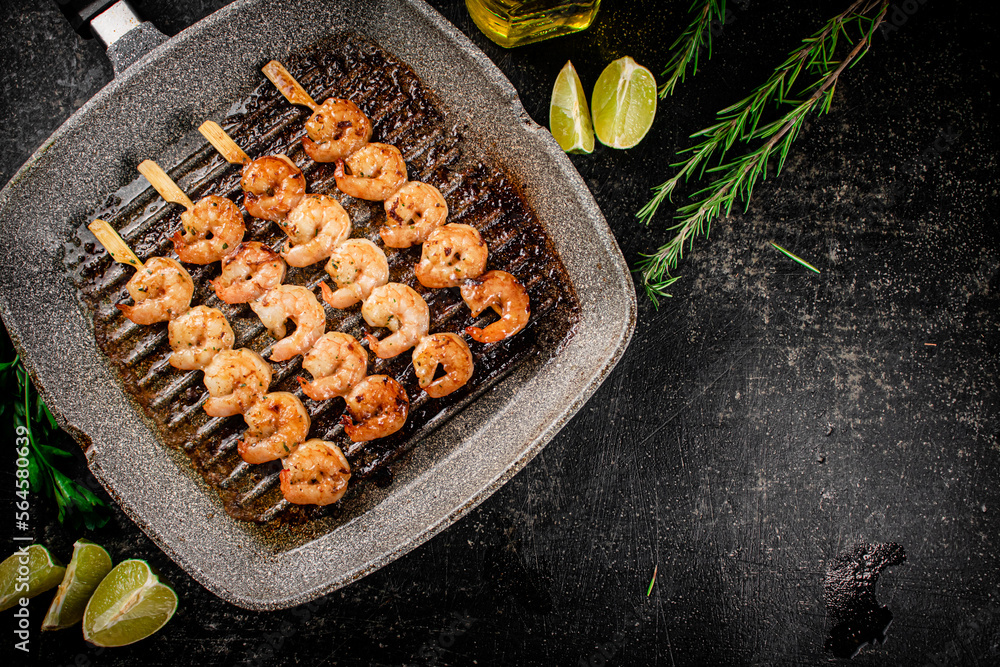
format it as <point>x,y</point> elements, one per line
<point>517,22</point>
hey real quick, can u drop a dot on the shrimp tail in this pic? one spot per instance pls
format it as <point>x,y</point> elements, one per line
<point>178,239</point>
<point>478,304</point>
<point>339,171</point>
<point>352,430</point>
<point>327,293</point>
<point>477,310</point>
<point>308,389</point>
<point>480,335</point>
<point>126,309</point>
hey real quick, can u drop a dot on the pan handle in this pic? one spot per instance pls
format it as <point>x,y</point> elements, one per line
<point>117,25</point>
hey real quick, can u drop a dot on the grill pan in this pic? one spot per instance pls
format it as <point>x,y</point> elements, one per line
<point>458,457</point>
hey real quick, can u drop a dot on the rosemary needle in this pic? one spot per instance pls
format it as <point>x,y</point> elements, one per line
<point>794,258</point>
<point>653,580</point>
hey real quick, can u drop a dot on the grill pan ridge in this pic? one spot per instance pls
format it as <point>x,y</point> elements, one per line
<point>478,192</point>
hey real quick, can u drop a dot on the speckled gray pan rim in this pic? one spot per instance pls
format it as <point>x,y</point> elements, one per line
<point>153,110</point>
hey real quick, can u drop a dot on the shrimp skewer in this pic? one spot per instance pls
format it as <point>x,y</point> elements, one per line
<point>161,288</point>
<point>315,472</point>
<point>275,190</point>
<point>273,184</point>
<point>210,229</point>
<point>336,128</point>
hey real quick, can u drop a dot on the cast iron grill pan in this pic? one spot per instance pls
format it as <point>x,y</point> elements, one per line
<point>479,192</point>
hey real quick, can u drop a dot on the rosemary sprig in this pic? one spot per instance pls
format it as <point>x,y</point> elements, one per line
<point>687,47</point>
<point>741,121</point>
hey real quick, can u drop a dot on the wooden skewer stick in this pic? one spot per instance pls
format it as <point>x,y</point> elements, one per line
<point>114,244</point>
<point>223,143</point>
<point>287,85</point>
<point>164,184</point>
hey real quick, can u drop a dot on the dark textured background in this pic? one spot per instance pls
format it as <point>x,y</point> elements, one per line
<point>762,422</point>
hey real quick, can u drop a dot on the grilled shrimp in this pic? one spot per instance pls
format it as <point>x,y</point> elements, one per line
<point>273,186</point>
<point>197,336</point>
<point>377,171</point>
<point>412,214</point>
<point>379,405</point>
<point>502,292</point>
<point>399,308</point>
<point>209,231</point>
<point>298,304</point>
<point>314,227</point>
<point>337,362</point>
<point>276,424</point>
<point>161,290</point>
<point>248,273</point>
<point>235,379</point>
<point>357,266</point>
<point>452,353</point>
<point>336,129</point>
<point>315,473</point>
<point>450,255</point>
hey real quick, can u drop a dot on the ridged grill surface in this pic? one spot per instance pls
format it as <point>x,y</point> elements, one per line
<point>478,191</point>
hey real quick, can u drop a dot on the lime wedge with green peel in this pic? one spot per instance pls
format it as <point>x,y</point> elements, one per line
<point>624,103</point>
<point>88,567</point>
<point>569,116</point>
<point>130,604</point>
<point>27,573</point>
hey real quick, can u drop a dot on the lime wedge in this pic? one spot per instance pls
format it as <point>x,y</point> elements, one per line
<point>129,605</point>
<point>624,103</point>
<point>89,565</point>
<point>569,116</point>
<point>27,573</point>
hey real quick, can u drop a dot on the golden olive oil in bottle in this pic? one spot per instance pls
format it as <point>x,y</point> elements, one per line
<point>517,22</point>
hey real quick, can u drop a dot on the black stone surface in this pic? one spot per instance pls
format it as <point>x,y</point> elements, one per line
<point>764,421</point>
